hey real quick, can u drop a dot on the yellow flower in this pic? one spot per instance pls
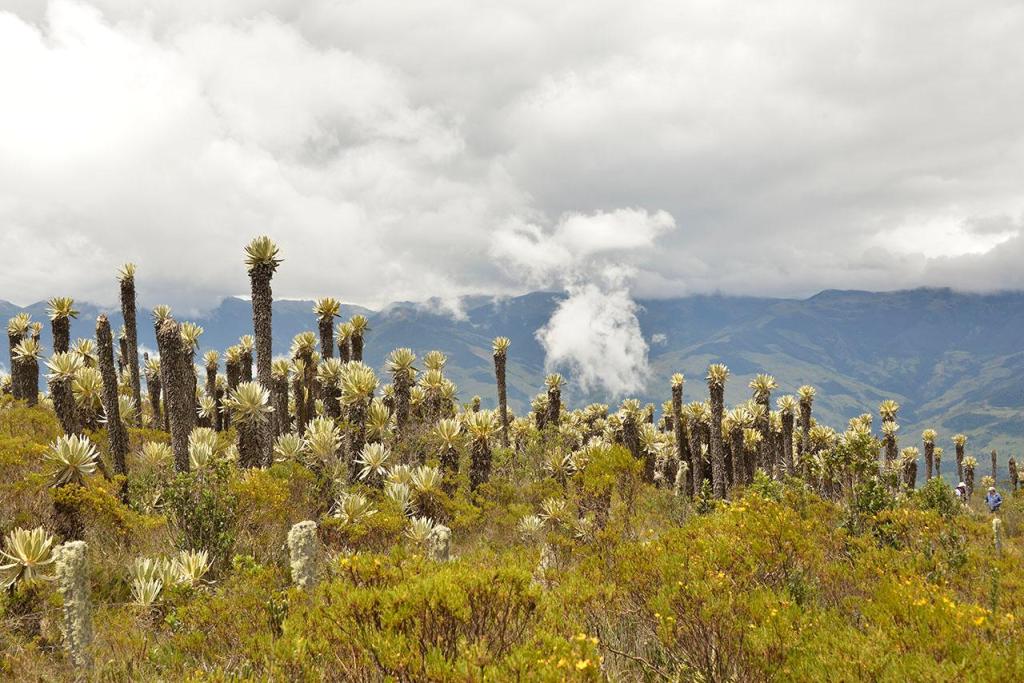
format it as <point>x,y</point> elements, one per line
<point>978,621</point>
<point>582,664</point>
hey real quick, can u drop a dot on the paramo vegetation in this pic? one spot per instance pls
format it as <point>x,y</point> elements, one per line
<point>235,516</point>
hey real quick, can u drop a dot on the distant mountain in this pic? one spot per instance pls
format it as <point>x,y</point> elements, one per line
<point>953,361</point>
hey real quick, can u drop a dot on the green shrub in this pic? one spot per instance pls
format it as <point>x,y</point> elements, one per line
<point>204,509</point>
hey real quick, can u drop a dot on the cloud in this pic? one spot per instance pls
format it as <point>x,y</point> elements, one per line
<point>403,151</point>
<point>595,334</point>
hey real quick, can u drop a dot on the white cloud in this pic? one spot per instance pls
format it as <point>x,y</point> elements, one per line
<point>595,334</point>
<point>393,149</point>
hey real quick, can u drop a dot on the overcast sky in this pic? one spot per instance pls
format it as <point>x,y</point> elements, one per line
<point>398,150</point>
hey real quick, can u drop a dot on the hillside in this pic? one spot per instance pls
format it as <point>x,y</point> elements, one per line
<point>953,361</point>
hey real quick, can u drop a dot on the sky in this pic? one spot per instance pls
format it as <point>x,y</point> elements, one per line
<point>613,150</point>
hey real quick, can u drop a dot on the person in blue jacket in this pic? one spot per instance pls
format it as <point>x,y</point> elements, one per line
<point>993,499</point>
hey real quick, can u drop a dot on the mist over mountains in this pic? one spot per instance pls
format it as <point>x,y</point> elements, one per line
<point>952,360</point>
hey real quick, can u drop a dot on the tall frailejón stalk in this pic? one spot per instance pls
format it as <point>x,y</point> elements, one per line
<point>928,437</point>
<point>177,379</point>
<point>326,310</point>
<point>762,386</point>
<point>61,310</point>
<point>679,430</point>
<point>717,374</point>
<point>960,441</point>
<point>126,279</point>
<point>261,258</point>
<point>403,376</point>
<point>500,351</point>
<point>360,326</point>
<point>111,407</point>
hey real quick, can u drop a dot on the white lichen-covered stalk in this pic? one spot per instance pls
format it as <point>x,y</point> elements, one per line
<point>72,580</point>
<point>544,565</point>
<point>439,544</point>
<point>679,486</point>
<point>997,535</point>
<point>302,552</point>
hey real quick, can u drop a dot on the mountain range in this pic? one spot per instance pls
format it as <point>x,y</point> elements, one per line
<point>952,360</point>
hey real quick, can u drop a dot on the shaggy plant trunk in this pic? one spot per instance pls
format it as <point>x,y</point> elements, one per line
<point>751,464</point>
<point>279,396</point>
<point>938,465</point>
<point>717,392</point>
<point>64,406</point>
<point>631,435</point>
<point>300,403</point>
<point>304,394</point>
<point>61,328</point>
<point>890,449</point>
<point>805,428</point>
<point>332,401</point>
<point>500,360</point>
<point>25,380</point>
<point>554,406</point>
<point>326,337</point>
<point>739,475</point>
<point>344,350</point>
<point>697,459</point>
<point>234,377</point>
<point>73,583</point>
<point>178,378</point>
<point>211,380</point>
<point>356,435</point>
<point>994,467</point>
<point>153,388</point>
<point>929,459</point>
<point>1011,467</point>
<point>262,304</point>
<point>245,367</point>
<point>253,443</point>
<point>959,462</point>
<point>115,427</point>
<point>540,416</point>
<point>356,346</point>
<point>679,431</point>
<point>450,469</point>
<point>480,464</point>
<point>12,341</point>
<point>218,413</point>
<point>969,480</point>
<point>765,449</point>
<point>132,336</point>
<point>910,474</point>
<point>403,387</point>
<point>167,416</point>
<point>997,535</point>
<point>787,445</point>
<point>302,554</point>
<point>122,359</point>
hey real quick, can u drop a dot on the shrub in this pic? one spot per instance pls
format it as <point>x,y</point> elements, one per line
<point>204,510</point>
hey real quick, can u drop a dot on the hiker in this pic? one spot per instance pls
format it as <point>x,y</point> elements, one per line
<point>993,499</point>
<point>961,492</point>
